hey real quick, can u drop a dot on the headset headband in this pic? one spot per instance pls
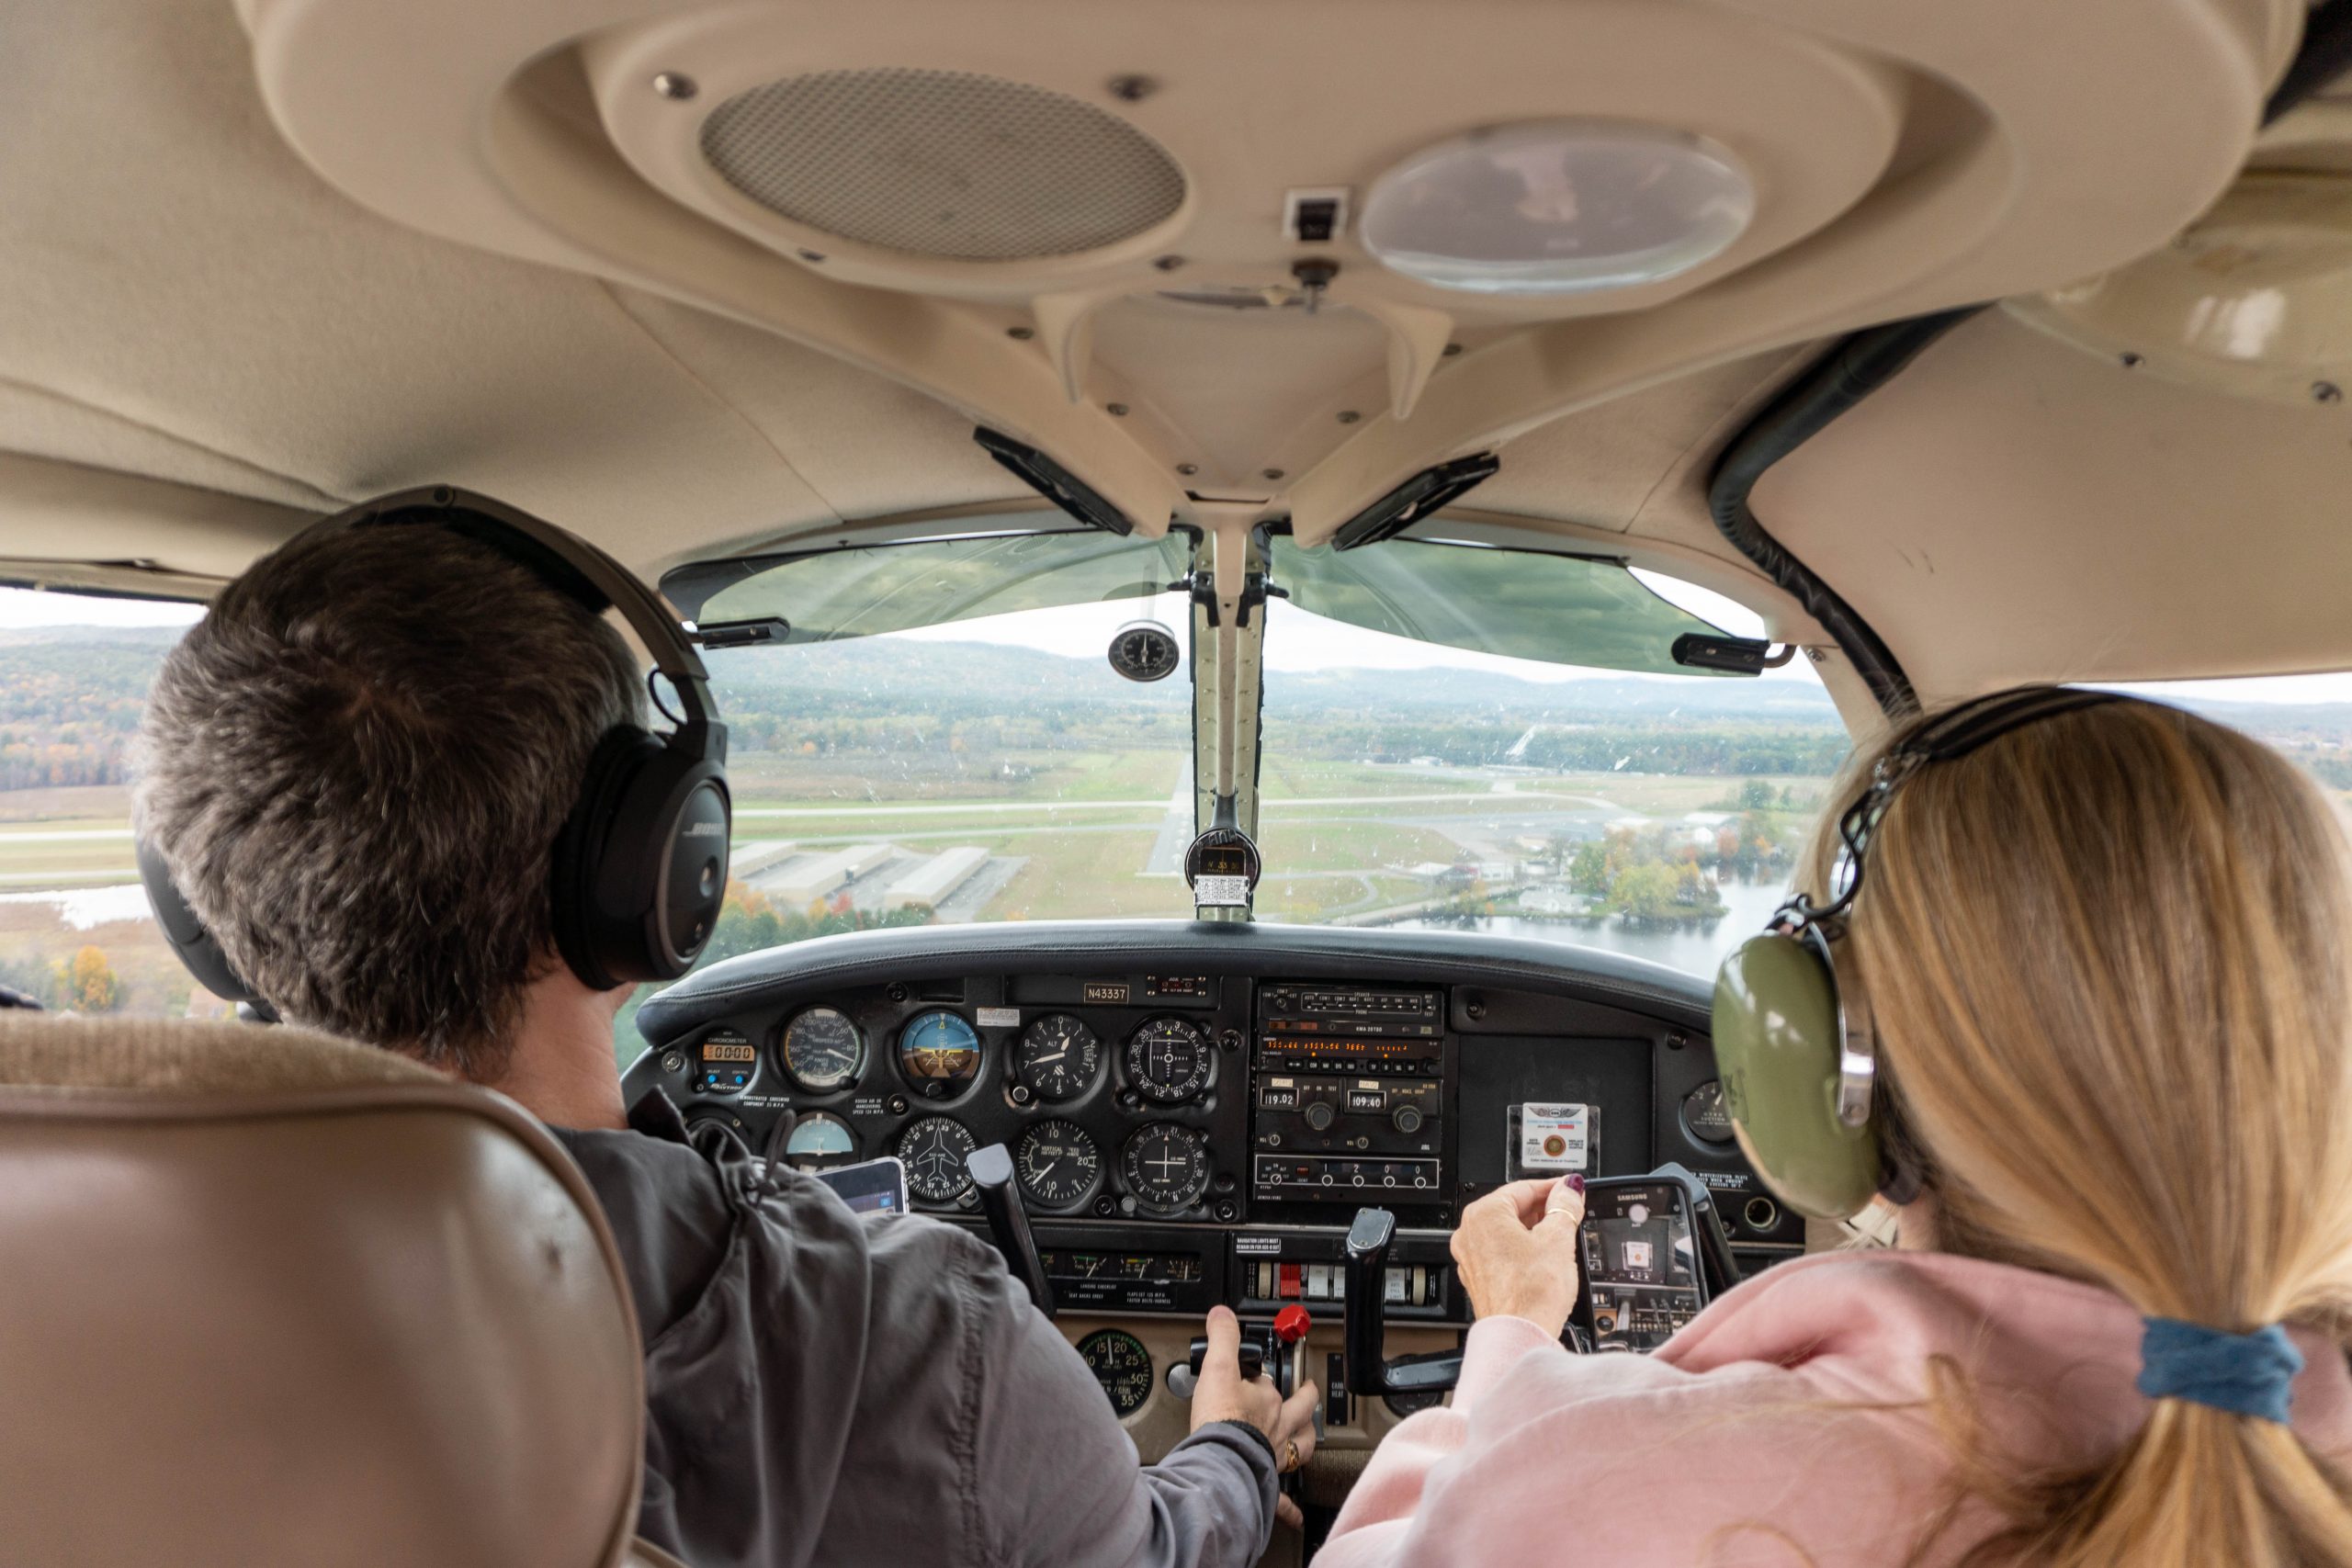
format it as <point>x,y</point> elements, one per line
<point>565,562</point>
<point>1943,739</point>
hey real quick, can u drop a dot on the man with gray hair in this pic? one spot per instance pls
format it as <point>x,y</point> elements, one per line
<point>356,767</point>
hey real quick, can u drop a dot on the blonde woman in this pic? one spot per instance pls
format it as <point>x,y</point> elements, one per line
<point>2106,948</point>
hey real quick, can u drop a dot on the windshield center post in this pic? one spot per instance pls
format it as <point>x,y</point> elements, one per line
<point>1229,687</point>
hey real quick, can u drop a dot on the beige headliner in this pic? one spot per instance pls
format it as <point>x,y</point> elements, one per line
<point>205,341</point>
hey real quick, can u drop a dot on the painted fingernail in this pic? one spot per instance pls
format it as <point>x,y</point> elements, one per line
<point>1576,1184</point>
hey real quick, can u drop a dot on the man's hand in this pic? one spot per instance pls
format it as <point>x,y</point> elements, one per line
<point>1223,1394</point>
<point>1517,1251</point>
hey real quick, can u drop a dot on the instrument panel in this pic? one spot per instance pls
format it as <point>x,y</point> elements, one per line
<point>1112,1094</point>
<point>1186,1129</point>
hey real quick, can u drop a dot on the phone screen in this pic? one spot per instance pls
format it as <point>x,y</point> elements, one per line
<point>871,1187</point>
<point>1641,1263</point>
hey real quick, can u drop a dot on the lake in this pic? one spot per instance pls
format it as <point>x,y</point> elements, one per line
<point>1694,949</point>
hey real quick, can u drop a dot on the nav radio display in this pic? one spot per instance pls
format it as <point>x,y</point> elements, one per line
<point>1349,1094</point>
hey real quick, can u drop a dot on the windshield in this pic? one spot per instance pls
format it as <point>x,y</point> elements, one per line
<point>995,768</point>
<point>1428,787</point>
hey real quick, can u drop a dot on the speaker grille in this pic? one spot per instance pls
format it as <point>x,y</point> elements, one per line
<point>943,164</point>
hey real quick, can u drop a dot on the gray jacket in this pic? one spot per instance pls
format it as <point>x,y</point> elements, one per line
<point>833,1389</point>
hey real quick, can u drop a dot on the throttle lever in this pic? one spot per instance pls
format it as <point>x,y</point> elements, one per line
<point>1365,1336</point>
<point>1254,1355</point>
<point>991,1172</point>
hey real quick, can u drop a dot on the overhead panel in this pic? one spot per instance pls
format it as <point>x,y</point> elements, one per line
<point>1524,211</point>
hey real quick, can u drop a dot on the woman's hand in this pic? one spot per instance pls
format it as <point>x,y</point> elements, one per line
<point>1517,1250</point>
<point>1223,1395</point>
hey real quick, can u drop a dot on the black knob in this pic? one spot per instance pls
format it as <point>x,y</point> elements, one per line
<point>1409,1119</point>
<point>1320,1116</point>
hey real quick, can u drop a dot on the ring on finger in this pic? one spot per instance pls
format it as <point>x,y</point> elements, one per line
<point>1292,1459</point>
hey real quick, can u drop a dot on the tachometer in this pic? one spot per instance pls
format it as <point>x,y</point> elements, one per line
<point>1121,1365</point>
<point>1167,1166</point>
<point>1058,1057</point>
<point>939,1052</point>
<point>1057,1165</point>
<point>933,1151</point>
<point>1704,1116</point>
<point>822,1050</point>
<point>820,1142</point>
<point>1170,1061</point>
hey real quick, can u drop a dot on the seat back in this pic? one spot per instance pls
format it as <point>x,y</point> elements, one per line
<point>270,1299</point>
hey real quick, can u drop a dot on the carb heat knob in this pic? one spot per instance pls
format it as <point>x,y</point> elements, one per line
<point>1291,1322</point>
<point>1408,1119</point>
<point>1320,1115</point>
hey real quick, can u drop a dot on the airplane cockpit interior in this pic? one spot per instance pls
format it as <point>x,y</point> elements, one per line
<point>1246,602</point>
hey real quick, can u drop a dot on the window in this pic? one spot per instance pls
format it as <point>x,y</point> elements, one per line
<point>2306,718</point>
<point>1412,784</point>
<point>75,931</point>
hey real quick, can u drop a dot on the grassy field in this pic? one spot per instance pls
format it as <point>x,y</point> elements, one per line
<point>1091,874</point>
<point>1084,848</point>
<point>1284,779</point>
<point>1355,845</point>
<point>767,779</point>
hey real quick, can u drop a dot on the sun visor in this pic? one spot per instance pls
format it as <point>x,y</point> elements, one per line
<point>1560,609</point>
<point>867,590</point>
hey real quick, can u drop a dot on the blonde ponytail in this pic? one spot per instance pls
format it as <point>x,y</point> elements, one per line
<point>2110,959</point>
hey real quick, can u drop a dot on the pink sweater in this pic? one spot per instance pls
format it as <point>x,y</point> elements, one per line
<point>1718,1449</point>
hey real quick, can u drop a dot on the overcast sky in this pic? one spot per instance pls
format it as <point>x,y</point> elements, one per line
<point>1084,630</point>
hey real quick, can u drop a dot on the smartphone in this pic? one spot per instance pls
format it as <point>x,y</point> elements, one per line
<point>1645,1260</point>
<point>870,1187</point>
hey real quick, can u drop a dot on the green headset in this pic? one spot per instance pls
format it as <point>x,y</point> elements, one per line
<point>1797,1055</point>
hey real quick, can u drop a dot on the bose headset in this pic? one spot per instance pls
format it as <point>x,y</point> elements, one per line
<point>1797,1055</point>
<point>640,865</point>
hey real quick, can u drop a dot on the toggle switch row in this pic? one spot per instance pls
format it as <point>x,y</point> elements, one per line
<point>1403,1285</point>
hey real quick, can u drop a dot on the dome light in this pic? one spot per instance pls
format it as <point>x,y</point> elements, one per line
<point>1565,206</point>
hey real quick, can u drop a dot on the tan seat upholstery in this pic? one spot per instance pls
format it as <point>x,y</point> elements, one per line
<point>268,1299</point>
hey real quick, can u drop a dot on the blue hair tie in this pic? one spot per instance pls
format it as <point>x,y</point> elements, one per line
<point>2246,1375</point>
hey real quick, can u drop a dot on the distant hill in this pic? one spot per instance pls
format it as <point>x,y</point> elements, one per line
<point>159,638</point>
<point>70,698</point>
<point>978,671</point>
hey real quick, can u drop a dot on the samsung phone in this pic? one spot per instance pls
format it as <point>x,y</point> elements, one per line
<point>870,1187</point>
<point>1654,1255</point>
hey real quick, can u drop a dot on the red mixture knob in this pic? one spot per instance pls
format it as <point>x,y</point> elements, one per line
<point>1291,1322</point>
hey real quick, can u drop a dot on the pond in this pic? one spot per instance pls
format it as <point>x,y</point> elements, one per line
<point>1696,949</point>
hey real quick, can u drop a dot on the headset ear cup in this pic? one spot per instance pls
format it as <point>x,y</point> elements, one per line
<point>583,847</point>
<point>658,902</point>
<point>185,933</point>
<point>1777,1046</point>
<point>639,871</point>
